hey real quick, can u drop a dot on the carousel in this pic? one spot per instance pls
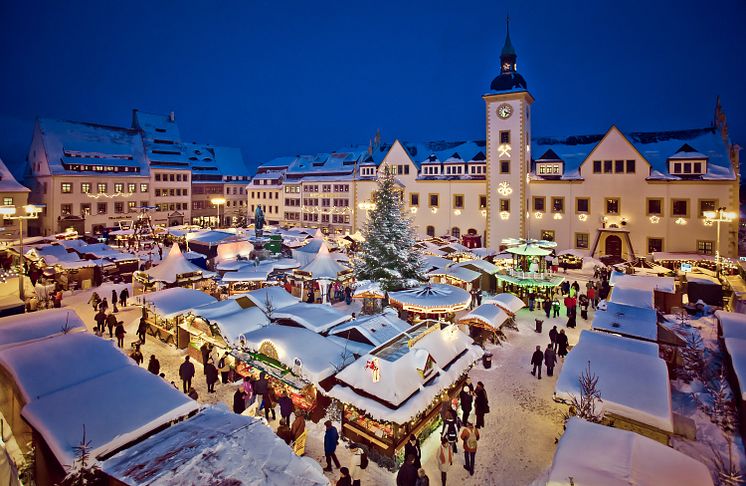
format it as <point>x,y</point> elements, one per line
<point>529,272</point>
<point>431,301</point>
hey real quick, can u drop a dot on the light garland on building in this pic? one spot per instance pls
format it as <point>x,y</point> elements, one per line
<point>655,219</point>
<point>457,212</point>
<point>327,210</point>
<point>413,210</point>
<point>504,215</point>
<point>434,210</point>
<point>557,216</point>
<point>6,274</point>
<point>504,150</point>
<point>538,215</point>
<point>582,217</point>
<point>484,213</point>
<point>367,205</point>
<point>708,222</point>
<point>681,221</point>
<point>109,196</point>
<point>504,189</point>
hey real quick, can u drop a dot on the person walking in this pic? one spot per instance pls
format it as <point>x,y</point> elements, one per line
<point>100,319</point>
<point>481,404</point>
<point>412,447</point>
<point>583,302</point>
<point>269,404</point>
<point>466,397</point>
<point>592,296</point>
<point>119,332</point>
<point>550,359</point>
<point>154,366</point>
<point>445,459</point>
<point>123,296</point>
<point>186,373</point>
<point>331,439</point>
<point>537,359</point>
<point>407,475</point>
<point>555,307</point>
<point>104,305</point>
<point>142,329</point>
<point>224,368</point>
<point>356,464</point>
<point>344,479</point>
<point>111,323</point>
<point>239,401</point>
<point>114,301</point>
<point>137,356</point>
<point>547,306</point>
<point>422,479</point>
<point>450,430</point>
<point>211,376</point>
<point>286,406</point>
<point>571,316</point>
<point>553,337</point>
<point>299,426</point>
<point>562,344</point>
<point>470,436</point>
<point>95,300</point>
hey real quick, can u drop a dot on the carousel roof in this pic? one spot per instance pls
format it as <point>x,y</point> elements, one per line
<point>324,266</point>
<point>508,302</point>
<point>174,265</point>
<point>172,302</point>
<point>490,315</point>
<point>315,317</point>
<point>528,250</point>
<point>432,298</point>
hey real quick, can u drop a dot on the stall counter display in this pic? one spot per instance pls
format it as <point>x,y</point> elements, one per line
<point>381,431</point>
<point>302,394</point>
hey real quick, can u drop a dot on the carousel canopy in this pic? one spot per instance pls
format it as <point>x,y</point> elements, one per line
<point>315,317</point>
<point>24,328</point>
<point>323,266</point>
<point>636,322</point>
<point>529,250</point>
<point>172,267</point>
<point>507,302</point>
<point>174,301</point>
<point>456,273</point>
<point>591,453</point>
<point>486,315</point>
<point>319,357</point>
<point>432,299</point>
<point>275,297</point>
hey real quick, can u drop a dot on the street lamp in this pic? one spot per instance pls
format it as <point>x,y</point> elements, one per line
<point>217,201</point>
<point>720,215</point>
<point>31,212</point>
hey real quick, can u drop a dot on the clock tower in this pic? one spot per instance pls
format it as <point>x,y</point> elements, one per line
<point>508,150</point>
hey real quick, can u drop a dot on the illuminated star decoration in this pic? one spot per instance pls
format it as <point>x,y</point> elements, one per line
<point>654,219</point>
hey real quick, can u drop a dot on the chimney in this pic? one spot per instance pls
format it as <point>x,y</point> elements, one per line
<point>172,117</point>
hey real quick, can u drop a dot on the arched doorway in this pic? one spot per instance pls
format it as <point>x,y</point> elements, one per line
<point>613,246</point>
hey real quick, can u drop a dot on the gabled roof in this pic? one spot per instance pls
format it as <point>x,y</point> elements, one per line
<point>8,183</point>
<point>549,155</point>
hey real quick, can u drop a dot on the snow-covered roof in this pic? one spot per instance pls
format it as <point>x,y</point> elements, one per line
<point>247,274</point>
<point>23,328</point>
<point>672,256</point>
<point>277,297</point>
<point>508,302</point>
<point>368,288</point>
<point>320,357</point>
<point>593,454</point>
<point>457,273</point>
<point>490,315</point>
<point>736,349</point>
<point>632,296</point>
<point>732,324</point>
<point>229,250</point>
<point>323,266</point>
<point>232,319</point>
<point>306,253</point>
<point>209,238</point>
<point>8,183</point>
<point>401,386</point>
<point>702,278</point>
<point>315,317</point>
<point>233,265</point>
<point>431,262</point>
<point>644,282</point>
<point>481,265</point>
<point>437,298</point>
<point>174,301</point>
<point>628,321</point>
<point>172,267</point>
<point>619,363</point>
<point>239,449</point>
<point>377,329</point>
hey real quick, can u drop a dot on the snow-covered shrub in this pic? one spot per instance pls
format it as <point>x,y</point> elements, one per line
<point>587,405</point>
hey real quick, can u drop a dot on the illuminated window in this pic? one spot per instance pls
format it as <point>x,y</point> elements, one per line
<point>85,187</point>
<point>705,247</point>
<point>66,187</point>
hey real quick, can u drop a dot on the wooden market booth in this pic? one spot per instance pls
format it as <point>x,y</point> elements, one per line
<point>166,309</point>
<point>485,322</point>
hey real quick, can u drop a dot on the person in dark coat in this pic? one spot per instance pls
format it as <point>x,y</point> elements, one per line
<point>422,479</point>
<point>211,376</point>
<point>260,388</point>
<point>583,303</point>
<point>111,323</point>
<point>239,401</point>
<point>553,337</point>
<point>407,475</point>
<point>286,406</point>
<point>537,359</point>
<point>137,356</point>
<point>269,404</point>
<point>571,319</point>
<point>412,447</point>
<point>331,439</point>
<point>450,430</point>
<point>154,366</point>
<point>550,359</point>
<point>562,344</point>
<point>119,332</point>
<point>95,300</point>
<point>284,433</point>
<point>142,329</point>
<point>205,350</point>
<point>186,373</point>
<point>345,479</point>
<point>311,297</point>
<point>466,397</point>
<point>104,305</point>
<point>481,404</point>
<point>100,319</point>
<point>193,393</point>
<point>547,305</point>
<point>114,300</point>
<point>123,296</point>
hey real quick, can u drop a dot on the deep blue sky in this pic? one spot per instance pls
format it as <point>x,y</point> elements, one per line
<point>287,77</point>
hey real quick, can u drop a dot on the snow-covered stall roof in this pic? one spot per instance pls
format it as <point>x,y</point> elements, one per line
<point>632,296</point>
<point>23,328</point>
<point>482,265</point>
<point>239,449</point>
<point>401,386</point>
<point>637,322</point>
<point>432,298</point>
<point>508,302</point>
<point>315,317</point>
<point>431,262</point>
<point>232,318</point>
<point>489,315</point>
<point>644,282</point>
<point>374,330</point>
<point>736,349</point>
<point>233,265</point>
<point>732,324</point>
<point>172,302</point>
<point>368,288</point>
<point>306,253</point>
<point>457,273</point>
<point>277,297</point>
<point>115,408</point>
<point>209,238</point>
<point>320,357</point>
<point>229,250</point>
<point>323,266</point>
<point>619,364</point>
<point>593,454</point>
<point>249,274</point>
<point>172,267</point>
<point>8,183</point>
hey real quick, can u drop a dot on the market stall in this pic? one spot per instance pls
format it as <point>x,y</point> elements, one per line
<point>430,301</point>
<point>166,309</point>
<point>317,318</point>
<point>366,332</point>
<point>507,302</point>
<point>322,270</point>
<point>371,294</point>
<point>485,321</point>
<point>174,271</point>
<point>397,389</point>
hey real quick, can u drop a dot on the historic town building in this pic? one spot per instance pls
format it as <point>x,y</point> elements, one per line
<point>622,194</point>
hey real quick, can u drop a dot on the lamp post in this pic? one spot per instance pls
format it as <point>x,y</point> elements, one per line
<point>720,215</point>
<point>217,201</point>
<point>31,212</point>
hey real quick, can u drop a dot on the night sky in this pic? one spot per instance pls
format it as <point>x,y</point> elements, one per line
<point>287,77</point>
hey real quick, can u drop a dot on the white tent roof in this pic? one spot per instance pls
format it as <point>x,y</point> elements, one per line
<point>323,266</point>
<point>508,302</point>
<point>172,302</point>
<point>315,317</point>
<point>733,324</point>
<point>619,364</point>
<point>306,253</point>
<point>593,454</point>
<point>174,265</point>
<point>232,319</point>
<point>23,328</point>
<point>320,357</point>
<point>628,321</point>
<point>644,282</point>
<point>488,314</point>
<point>240,447</point>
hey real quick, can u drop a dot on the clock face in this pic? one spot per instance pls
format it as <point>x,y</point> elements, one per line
<point>504,111</point>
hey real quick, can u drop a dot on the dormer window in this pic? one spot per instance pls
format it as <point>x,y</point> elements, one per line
<point>549,169</point>
<point>687,162</point>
